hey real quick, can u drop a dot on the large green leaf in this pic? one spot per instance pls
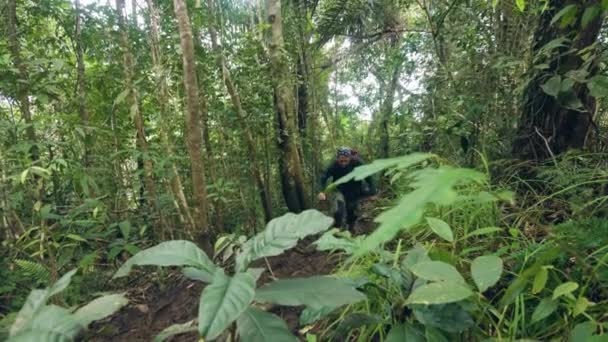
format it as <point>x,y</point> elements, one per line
<point>34,302</point>
<point>255,325</point>
<point>176,329</point>
<point>198,274</point>
<point>431,186</point>
<point>39,336</point>
<point>315,292</point>
<point>169,253</point>
<point>441,228</point>
<point>364,171</point>
<point>99,308</point>
<point>62,283</point>
<point>437,271</point>
<point>329,242</point>
<point>415,255</point>
<point>282,233</point>
<point>405,332</point>
<point>54,320</point>
<point>223,301</point>
<point>439,293</point>
<point>486,271</point>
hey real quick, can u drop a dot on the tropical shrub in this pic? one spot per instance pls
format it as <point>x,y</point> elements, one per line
<point>230,298</point>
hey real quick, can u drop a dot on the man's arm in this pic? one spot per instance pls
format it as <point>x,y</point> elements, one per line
<point>325,176</point>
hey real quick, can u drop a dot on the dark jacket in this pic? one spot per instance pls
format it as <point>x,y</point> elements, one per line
<point>350,189</point>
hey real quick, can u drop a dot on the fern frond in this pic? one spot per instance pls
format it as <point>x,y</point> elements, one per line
<point>36,271</point>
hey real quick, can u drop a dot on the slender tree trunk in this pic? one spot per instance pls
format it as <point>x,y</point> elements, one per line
<point>133,100</point>
<point>23,81</point>
<point>193,127</point>
<point>550,125</point>
<point>163,98</point>
<point>292,176</point>
<point>387,111</point>
<point>82,108</point>
<point>242,116</point>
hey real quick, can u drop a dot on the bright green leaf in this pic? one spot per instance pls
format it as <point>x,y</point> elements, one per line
<point>255,325</point>
<point>521,5</point>
<point>34,302</point>
<point>169,253</point>
<point>282,233</point>
<point>540,279</point>
<point>441,228</point>
<point>315,292</point>
<point>565,12</point>
<point>439,293</point>
<point>62,283</point>
<point>437,271</point>
<point>223,301</point>
<point>198,274</point>
<point>176,329</point>
<point>589,15</point>
<point>100,308</point>
<point>486,271</point>
<point>564,288</point>
<point>582,303</point>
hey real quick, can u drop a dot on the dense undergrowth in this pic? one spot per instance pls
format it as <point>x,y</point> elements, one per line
<point>457,256</point>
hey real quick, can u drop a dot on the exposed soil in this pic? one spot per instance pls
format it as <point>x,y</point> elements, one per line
<point>151,309</point>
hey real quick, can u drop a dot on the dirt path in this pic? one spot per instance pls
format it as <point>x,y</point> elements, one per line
<point>152,309</point>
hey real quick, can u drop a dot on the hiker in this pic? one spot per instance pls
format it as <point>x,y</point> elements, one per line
<point>349,193</point>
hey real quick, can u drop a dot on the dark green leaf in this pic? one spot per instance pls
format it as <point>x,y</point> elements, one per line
<point>545,308</point>
<point>552,86</point>
<point>405,332</point>
<point>540,279</point>
<point>447,317</point>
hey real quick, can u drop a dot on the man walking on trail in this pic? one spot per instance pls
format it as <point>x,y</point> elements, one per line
<point>349,193</point>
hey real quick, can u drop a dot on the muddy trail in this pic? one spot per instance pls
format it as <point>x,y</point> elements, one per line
<point>153,308</point>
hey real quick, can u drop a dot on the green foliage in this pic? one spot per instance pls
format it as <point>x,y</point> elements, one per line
<point>39,321</point>
<point>228,298</point>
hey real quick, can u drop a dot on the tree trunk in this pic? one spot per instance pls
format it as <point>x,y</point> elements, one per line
<point>193,127</point>
<point>133,101</point>
<point>23,78</point>
<point>550,125</point>
<point>82,108</point>
<point>292,177</point>
<point>242,116</point>
<point>163,98</point>
<point>387,110</point>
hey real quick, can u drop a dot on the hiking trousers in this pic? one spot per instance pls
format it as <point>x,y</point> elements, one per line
<point>345,206</point>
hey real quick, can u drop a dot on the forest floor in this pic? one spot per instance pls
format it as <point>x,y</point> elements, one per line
<point>153,307</point>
